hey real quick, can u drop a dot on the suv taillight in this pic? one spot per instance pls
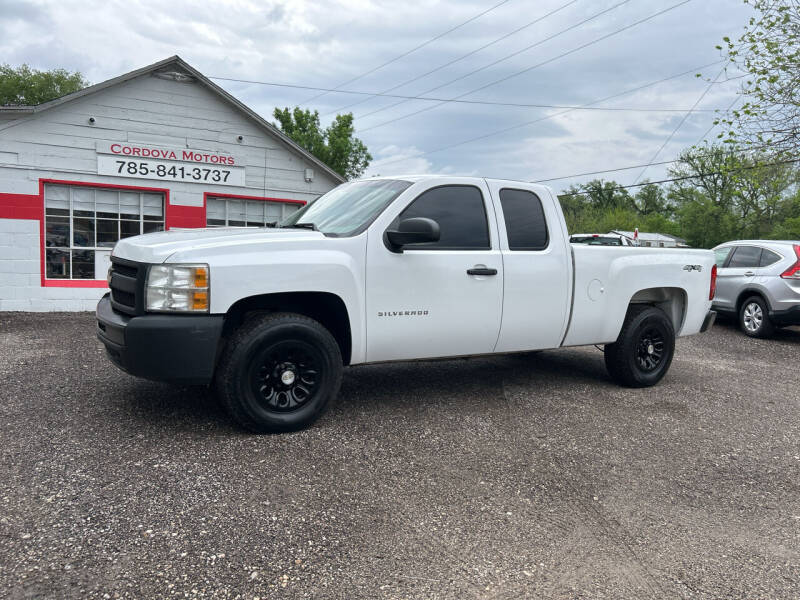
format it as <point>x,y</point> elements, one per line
<point>793,272</point>
<point>712,290</point>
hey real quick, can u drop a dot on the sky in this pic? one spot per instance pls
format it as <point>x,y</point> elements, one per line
<point>526,56</point>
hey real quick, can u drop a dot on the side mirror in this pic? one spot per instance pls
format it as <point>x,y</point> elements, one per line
<point>419,230</point>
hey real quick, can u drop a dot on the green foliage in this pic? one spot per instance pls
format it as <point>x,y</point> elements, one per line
<point>26,86</point>
<point>769,52</point>
<point>721,195</point>
<point>335,145</point>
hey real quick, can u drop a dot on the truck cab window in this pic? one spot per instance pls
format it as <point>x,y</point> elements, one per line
<point>526,226</point>
<point>460,212</point>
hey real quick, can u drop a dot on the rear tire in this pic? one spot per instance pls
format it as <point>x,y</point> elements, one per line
<point>643,352</point>
<point>279,372</point>
<point>754,318</point>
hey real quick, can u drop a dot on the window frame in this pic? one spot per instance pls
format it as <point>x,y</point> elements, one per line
<point>505,223</point>
<point>776,253</point>
<point>421,248</point>
<point>730,250</point>
<point>86,283</point>
<point>212,195</point>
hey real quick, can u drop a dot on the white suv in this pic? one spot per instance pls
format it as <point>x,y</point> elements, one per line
<point>759,283</point>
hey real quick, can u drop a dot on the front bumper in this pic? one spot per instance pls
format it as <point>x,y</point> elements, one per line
<point>711,316</point>
<point>175,348</point>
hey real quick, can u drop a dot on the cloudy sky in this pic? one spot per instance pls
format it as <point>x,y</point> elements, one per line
<point>509,66</point>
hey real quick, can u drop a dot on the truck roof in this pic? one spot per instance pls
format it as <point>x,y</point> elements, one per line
<point>415,177</point>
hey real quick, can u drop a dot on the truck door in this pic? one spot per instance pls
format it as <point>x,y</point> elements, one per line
<point>537,268</point>
<point>440,298</point>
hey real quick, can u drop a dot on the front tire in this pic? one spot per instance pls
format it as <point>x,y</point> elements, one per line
<point>754,318</point>
<point>279,372</point>
<point>643,352</point>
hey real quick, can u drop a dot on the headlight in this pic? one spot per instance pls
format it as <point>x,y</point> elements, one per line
<point>177,288</point>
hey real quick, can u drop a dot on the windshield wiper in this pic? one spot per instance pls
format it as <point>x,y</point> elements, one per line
<point>310,226</point>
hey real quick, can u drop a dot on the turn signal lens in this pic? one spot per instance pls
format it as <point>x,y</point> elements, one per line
<point>200,277</point>
<point>200,301</point>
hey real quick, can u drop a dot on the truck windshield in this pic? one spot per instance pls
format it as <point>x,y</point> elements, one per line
<point>349,208</point>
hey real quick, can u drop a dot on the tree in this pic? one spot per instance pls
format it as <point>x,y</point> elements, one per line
<point>335,145</point>
<point>769,52</point>
<point>26,86</point>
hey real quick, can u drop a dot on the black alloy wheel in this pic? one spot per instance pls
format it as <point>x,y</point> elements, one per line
<point>650,349</point>
<point>286,375</point>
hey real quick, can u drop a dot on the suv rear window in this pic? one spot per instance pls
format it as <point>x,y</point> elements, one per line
<point>768,257</point>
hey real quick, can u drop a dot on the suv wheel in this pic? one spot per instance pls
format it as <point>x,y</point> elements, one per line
<point>279,372</point>
<point>642,354</point>
<point>754,318</point>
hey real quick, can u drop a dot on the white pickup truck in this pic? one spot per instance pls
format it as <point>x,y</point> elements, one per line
<point>389,269</point>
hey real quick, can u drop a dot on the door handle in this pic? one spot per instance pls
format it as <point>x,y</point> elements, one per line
<point>749,274</point>
<point>481,271</point>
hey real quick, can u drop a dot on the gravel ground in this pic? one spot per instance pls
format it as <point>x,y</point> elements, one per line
<point>502,477</point>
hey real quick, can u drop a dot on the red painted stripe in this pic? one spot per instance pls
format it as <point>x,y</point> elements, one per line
<point>20,206</point>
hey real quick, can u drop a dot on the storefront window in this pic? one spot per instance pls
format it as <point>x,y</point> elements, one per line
<point>234,212</point>
<point>82,224</point>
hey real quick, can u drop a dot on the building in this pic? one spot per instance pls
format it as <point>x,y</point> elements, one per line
<point>159,148</point>
<point>655,240</point>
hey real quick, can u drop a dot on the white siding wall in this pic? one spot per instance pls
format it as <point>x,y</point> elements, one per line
<point>61,144</point>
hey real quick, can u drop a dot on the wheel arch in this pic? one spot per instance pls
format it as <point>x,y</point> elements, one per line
<point>672,300</point>
<point>326,308</point>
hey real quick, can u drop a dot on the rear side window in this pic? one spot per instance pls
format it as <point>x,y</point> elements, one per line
<point>460,213</point>
<point>745,257</point>
<point>524,216</point>
<point>768,257</point>
<point>721,255</point>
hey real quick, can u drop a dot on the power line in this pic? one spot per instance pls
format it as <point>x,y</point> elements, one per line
<point>502,59</point>
<point>460,58</point>
<point>404,54</point>
<point>547,117</point>
<point>479,102</point>
<point>664,162</point>
<point>697,175</point>
<point>563,54</point>
<point>715,123</point>
<point>681,122</point>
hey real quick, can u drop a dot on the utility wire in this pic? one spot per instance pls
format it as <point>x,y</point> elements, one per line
<point>479,102</point>
<point>502,59</point>
<point>547,117</point>
<point>455,60</point>
<point>536,66</point>
<point>715,123</point>
<point>414,49</point>
<point>681,122</point>
<point>663,162</point>
<point>685,177</point>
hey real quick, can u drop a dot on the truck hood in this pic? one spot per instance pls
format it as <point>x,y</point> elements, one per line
<point>158,247</point>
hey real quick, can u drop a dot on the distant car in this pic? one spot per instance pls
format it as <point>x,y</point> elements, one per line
<point>758,282</point>
<point>600,239</point>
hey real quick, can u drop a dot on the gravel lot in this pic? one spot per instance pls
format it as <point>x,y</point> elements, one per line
<point>503,477</point>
